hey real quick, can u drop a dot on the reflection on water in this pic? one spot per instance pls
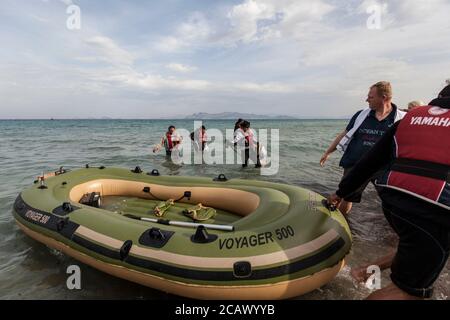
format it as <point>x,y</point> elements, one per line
<point>29,270</point>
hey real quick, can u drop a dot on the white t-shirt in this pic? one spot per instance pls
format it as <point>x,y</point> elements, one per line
<point>239,134</point>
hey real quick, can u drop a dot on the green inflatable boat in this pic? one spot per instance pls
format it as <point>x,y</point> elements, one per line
<point>195,237</point>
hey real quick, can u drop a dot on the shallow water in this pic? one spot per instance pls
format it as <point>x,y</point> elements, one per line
<point>29,270</point>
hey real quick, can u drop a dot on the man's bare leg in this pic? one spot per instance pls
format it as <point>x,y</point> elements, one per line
<point>345,207</point>
<point>360,273</point>
<point>391,292</point>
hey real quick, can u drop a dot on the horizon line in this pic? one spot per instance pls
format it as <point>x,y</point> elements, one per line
<point>143,119</point>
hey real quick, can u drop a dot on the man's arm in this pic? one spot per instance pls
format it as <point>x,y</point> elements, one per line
<point>238,137</point>
<point>158,146</point>
<point>254,137</point>
<point>374,160</point>
<point>332,147</point>
<point>338,139</point>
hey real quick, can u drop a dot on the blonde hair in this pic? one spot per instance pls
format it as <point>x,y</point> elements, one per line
<point>384,88</point>
<point>414,104</point>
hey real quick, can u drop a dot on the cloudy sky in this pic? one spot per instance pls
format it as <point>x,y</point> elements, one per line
<point>152,59</point>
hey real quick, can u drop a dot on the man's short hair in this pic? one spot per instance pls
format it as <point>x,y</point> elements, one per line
<point>415,103</point>
<point>445,93</point>
<point>384,88</point>
<point>245,124</point>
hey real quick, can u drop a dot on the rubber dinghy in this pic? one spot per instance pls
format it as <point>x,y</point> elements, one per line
<point>265,241</point>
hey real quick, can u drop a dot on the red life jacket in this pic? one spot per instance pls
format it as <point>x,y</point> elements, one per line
<point>169,143</point>
<point>249,137</point>
<point>202,137</point>
<point>422,156</point>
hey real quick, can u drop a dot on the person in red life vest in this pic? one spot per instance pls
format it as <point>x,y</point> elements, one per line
<point>237,132</point>
<point>247,136</point>
<point>199,137</point>
<point>170,140</point>
<point>237,124</point>
<point>415,192</point>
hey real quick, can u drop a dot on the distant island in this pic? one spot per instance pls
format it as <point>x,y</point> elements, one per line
<point>234,116</point>
<point>199,116</point>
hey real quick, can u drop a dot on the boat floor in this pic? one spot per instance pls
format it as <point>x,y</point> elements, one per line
<point>144,208</point>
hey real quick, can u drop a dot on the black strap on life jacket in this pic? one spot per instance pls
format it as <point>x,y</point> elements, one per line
<point>422,168</point>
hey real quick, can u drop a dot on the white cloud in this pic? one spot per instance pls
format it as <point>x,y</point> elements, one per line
<point>196,28</point>
<point>257,20</point>
<point>169,44</point>
<point>194,31</point>
<point>136,80</point>
<point>247,22</point>
<point>109,51</point>
<point>39,18</point>
<point>271,87</point>
<point>67,2</point>
<point>402,13</point>
<point>245,16</point>
<point>178,67</point>
<point>345,46</point>
<point>132,78</point>
<point>415,11</point>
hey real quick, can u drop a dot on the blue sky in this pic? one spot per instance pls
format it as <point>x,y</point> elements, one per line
<point>153,59</point>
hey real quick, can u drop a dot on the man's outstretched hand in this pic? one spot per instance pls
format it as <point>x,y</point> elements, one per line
<point>324,159</point>
<point>333,200</point>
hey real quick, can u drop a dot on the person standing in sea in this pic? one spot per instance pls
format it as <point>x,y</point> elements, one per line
<point>170,141</point>
<point>364,130</point>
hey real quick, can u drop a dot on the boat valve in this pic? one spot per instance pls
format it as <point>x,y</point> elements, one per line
<point>154,173</point>
<point>125,249</point>
<point>61,170</point>
<point>156,234</point>
<point>137,170</point>
<point>242,269</point>
<point>61,224</point>
<point>67,207</point>
<point>221,178</point>
<point>41,180</point>
<point>201,235</point>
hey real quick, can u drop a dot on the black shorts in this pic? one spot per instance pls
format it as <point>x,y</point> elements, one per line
<point>355,196</point>
<point>424,241</point>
